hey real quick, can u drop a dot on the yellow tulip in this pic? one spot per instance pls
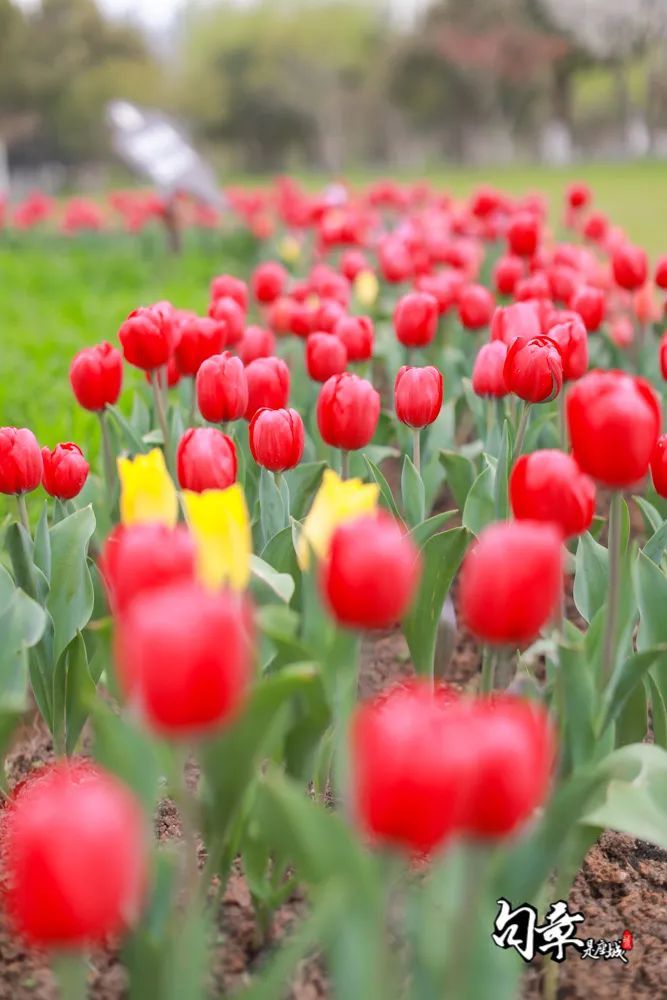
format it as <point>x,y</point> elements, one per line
<point>220,525</point>
<point>366,288</point>
<point>337,500</point>
<point>290,249</point>
<point>146,490</point>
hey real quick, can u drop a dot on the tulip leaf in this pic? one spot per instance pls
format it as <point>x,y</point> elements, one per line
<point>134,441</point>
<point>652,599</point>
<point>656,545</point>
<point>627,678</point>
<point>441,557</point>
<point>386,495</point>
<point>652,517</point>
<point>658,710</point>
<point>80,691</point>
<point>273,505</point>
<point>590,580</point>
<point>27,575</point>
<point>22,623</point>
<point>432,526</point>
<point>460,475</point>
<point>503,469</point>
<point>576,697</point>
<point>70,601</point>
<point>480,507</point>
<point>281,584</point>
<point>129,752</point>
<point>633,794</point>
<point>412,490</point>
<point>303,481</point>
<point>42,545</point>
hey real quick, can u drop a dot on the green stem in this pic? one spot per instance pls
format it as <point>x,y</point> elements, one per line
<point>23,511</point>
<point>345,464</point>
<point>488,670</point>
<point>416,449</point>
<point>71,971</point>
<point>192,408</point>
<point>562,421</point>
<point>613,592</point>
<point>161,412</point>
<point>465,937</point>
<point>107,454</point>
<point>521,430</point>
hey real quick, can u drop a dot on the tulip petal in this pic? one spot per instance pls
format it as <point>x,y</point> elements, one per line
<point>147,492</point>
<point>336,502</point>
<point>220,524</point>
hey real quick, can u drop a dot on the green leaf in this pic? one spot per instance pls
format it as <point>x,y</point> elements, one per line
<point>26,575</point>
<point>42,545</point>
<point>22,623</point>
<point>281,584</point>
<point>656,545</point>
<point>70,600</point>
<point>133,440</point>
<point>480,506</point>
<point>303,481</point>
<point>431,526</point>
<point>79,691</point>
<point>501,493</point>
<point>128,752</point>
<point>412,490</point>
<point>591,576</point>
<point>626,678</point>
<point>652,517</point>
<point>386,496</point>
<point>441,557</point>
<point>652,600</point>
<point>460,475</point>
<point>273,505</point>
<point>658,711</point>
<point>576,692</point>
<point>633,799</point>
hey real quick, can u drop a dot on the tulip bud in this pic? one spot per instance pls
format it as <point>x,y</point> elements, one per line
<point>326,355</point>
<point>578,195</point>
<point>268,385</point>
<point>512,580</point>
<point>488,378</point>
<point>518,320</point>
<point>614,422</point>
<point>371,572</point>
<point>507,271</point>
<point>256,342</point>
<point>661,273</point>
<point>225,286</point>
<point>69,826</point>
<point>356,333</point>
<point>353,263</point>
<point>276,439</point>
<point>534,370</point>
<point>21,463</point>
<point>205,460</point>
<point>418,395</point>
<point>327,315</point>
<point>630,266</point>
<point>572,340</point>
<point>144,557</point>
<point>348,410</point>
<point>523,234</point>
<point>268,282</point>
<point>475,307</point>
<point>148,335</point>
<point>222,389</point>
<point>199,338</point>
<point>590,304</point>
<point>549,486</point>
<point>659,466</point>
<point>416,319</point>
<point>663,356</point>
<point>229,315</point>
<point>184,658</point>
<point>65,471</point>
<point>96,376</point>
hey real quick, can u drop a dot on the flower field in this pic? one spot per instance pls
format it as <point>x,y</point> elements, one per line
<point>332,590</point>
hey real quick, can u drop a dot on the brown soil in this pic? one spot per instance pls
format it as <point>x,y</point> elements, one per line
<point>622,884</point>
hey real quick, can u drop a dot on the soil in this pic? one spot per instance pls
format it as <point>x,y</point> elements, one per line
<point>622,884</point>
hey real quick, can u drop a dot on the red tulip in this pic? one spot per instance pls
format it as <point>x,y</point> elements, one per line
<point>205,460</point>
<point>228,314</point>
<point>276,439</point>
<point>65,471</point>
<point>550,486</point>
<point>507,271</point>
<point>279,315</point>
<point>659,466</point>
<point>356,332</point>
<point>352,263</point>
<point>614,423</point>
<point>148,336</point>
<point>512,581</point>
<point>518,320</point>
<point>535,286</point>
<point>590,304</point>
<point>326,355</point>
<point>268,282</point>
<point>225,286</point>
<point>523,234</point>
<point>513,760</point>
<point>199,338</point>
<point>371,572</point>
<point>96,376</point>
<point>21,463</point>
<point>663,356</point>
<point>222,389</point>
<point>563,282</point>
<point>630,266</point>
<point>418,395</point>
<point>661,273</point>
<point>596,227</point>
<point>572,339</point>
<point>75,859</point>
<point>268,385</point>
<point>534,370</point>
<point>327,315</point>
<point>348,410</point>
<point>144,557</point>
<point>184,658</point>
<point>488,374</point>
<point>410,756</point>
<point>578,195</point>
<point>476,307</point>
<point>257,342</point>
<point>416,319</point>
